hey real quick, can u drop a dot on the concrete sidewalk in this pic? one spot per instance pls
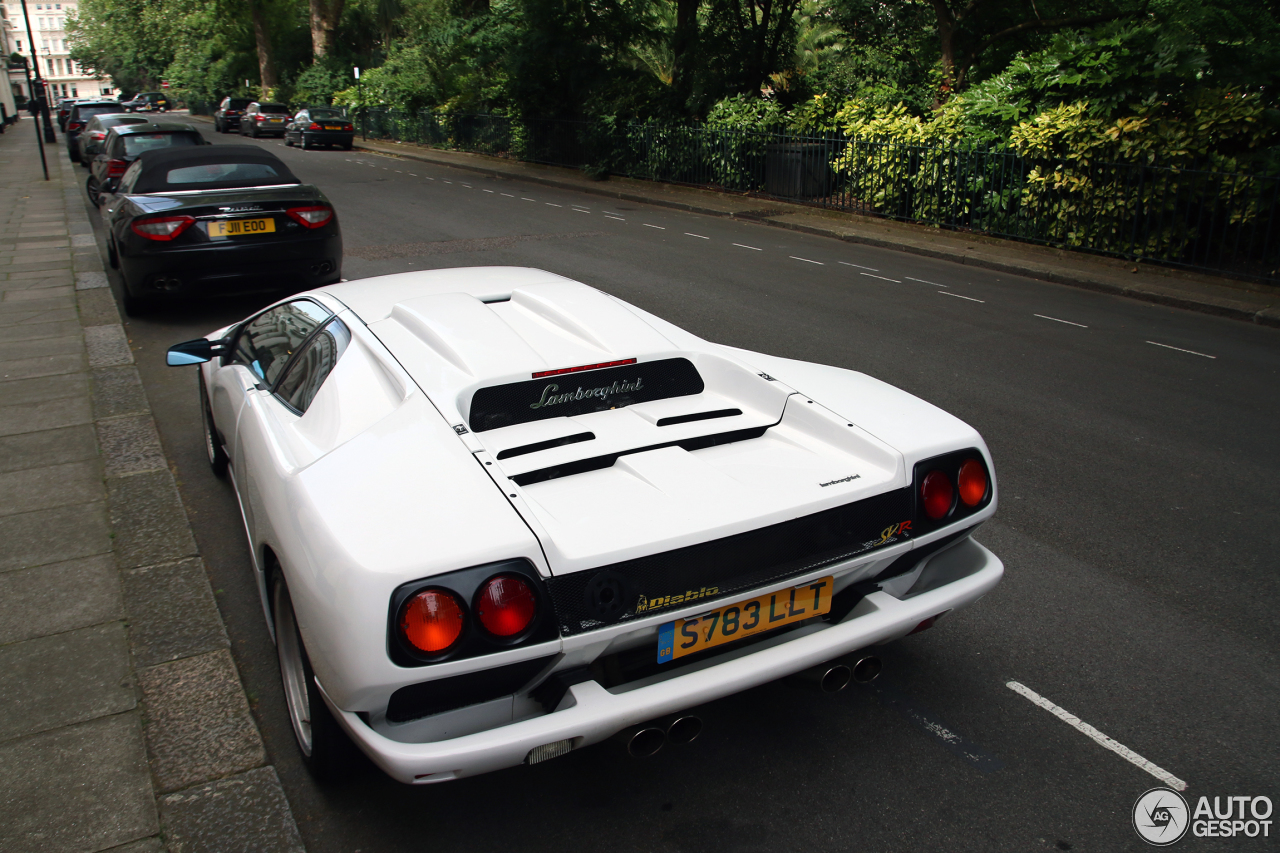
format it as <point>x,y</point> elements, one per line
<point>1193,291</point>
<point>123,723</point>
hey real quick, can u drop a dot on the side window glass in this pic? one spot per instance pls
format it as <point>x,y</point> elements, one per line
<point>130,177</point>
<point>267,341</point>
<point>312,366</point>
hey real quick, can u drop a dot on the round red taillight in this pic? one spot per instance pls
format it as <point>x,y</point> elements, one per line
<point>506,606</point>
<point>936,492</point>
<point>431,621</point>
<point>973,482</point>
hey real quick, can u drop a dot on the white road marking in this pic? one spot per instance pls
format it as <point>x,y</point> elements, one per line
<point>429,178</point>
<point>806,260</point>
<point>882,278</point>
<point>659,227</point>
<point>859,266</point>
<point>412,175</point>
<point>699,236</point>
<point>619,218</point>
<point>580,210</point>
<point>508,195</point>
<point>398,172</point>
<point>958,296</point>
<point>527,199</point>
<point>1180,349</point>
<point>1056,320</point>
<point>740,245</point>
<point>922,281</point>
<point>1101,739</point>
<point>468,186</point>
<point>547,203</point>
<point>489,191</point>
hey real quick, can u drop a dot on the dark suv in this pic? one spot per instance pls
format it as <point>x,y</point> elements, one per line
<point>127,142</point>
<point>79,117</point>
<point>149,102</point>
<point>227,118</point>
<point>262,119</point>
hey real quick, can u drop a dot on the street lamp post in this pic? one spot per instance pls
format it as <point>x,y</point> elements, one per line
<point>42,103</point>
<point>360,101</point>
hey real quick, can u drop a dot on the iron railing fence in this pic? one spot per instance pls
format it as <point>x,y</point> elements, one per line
<point>1199,219</point>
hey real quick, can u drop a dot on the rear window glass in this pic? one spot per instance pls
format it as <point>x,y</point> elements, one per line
<point>579,393</point>
<point>221,174</point>
<point>136,143</point>
<point>83,112</point>
<point>326,114</point>
<point>238,103</point>
<point>273,108</point>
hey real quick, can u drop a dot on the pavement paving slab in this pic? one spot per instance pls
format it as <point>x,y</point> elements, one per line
<point>148,520</point>
<point>47,447</point>
<point>247,813</point>
<point>172,613</point>
<point>60,597</point>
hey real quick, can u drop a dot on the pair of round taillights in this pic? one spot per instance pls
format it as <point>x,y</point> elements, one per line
<point>432,620</point>
<point>938,493</point>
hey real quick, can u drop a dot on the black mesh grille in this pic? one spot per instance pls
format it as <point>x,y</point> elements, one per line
<point>579,393</point>
<point>712,570</point>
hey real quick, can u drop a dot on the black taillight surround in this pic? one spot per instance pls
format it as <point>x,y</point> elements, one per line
<point>949,464</point>
<point>467,584</point>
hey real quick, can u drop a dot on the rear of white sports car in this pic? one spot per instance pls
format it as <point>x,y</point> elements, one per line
<point>564,518</point>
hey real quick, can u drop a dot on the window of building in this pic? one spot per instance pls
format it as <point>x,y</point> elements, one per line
<point>74,93</point>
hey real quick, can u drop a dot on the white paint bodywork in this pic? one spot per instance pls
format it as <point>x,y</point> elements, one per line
<point>374,487</point>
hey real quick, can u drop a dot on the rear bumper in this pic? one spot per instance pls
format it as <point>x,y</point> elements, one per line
<point>329,137</point>
<point>589,713</point>
<point>238,268</point>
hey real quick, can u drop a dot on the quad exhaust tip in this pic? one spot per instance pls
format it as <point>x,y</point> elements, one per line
<point>644,741</point>
<point>867,669</point>
<point>684,729</point>
<point>833,677</point>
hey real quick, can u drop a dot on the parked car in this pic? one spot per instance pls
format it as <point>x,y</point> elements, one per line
<point>496,515</point>
<point>320,126</point>
<point>227,117</point>
<point>217,219</point>
<point>79,116</point>
<point>62,110</point>
<point>149,102</point>
<point>263,119</point>
<point>126,143</point>
<point>95,133</point>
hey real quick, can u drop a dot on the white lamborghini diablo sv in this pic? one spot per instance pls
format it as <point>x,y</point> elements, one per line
<point>497,515</point>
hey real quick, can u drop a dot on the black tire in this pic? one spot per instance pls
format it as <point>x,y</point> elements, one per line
<point>326,750</point>
<point>94,190</point>
<point>346,146</point>
<point>113,257</point>
<point>217,126</point>
<point>288,143</point>
<point>306,146</point>
<point>218,459</point>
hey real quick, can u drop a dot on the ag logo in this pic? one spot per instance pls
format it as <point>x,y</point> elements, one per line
<point>1160,816</point>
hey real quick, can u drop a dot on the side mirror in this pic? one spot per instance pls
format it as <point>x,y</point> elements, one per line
<point>191,352</point>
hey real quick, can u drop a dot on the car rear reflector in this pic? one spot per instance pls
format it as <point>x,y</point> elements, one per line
<point>75,125</point>
<point>311,217</point>
<point>506,606</point>
<point>162,228</point>
<point>431,621</point>
<point>973,482</point>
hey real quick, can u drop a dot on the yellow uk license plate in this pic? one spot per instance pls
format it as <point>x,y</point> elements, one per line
<point>241,227</point>
<point>743,619</point>
<point>333,127</point>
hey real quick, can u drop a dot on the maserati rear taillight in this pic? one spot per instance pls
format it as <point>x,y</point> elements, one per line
<point>97,135</point>
<point>162,228</point>
<point>75,125</point>
<point>116,168</point>
<point>311,217</point>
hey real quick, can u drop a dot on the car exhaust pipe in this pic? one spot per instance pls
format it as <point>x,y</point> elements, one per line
<point>827,677</point>
<point>643,741</point>
<point>684,729</point>
<point>867,669</point>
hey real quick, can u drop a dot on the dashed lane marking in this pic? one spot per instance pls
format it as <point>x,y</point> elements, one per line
<point>859,266</point>
<point>806,260</point>
<point>1097,736</point>
<point>1056,320</point>
<point>489,191</point>
<point>580,210</point>
<point>508,195</point>
<point>741,245</point>
<point>619,218</point>
<point>958,296</point>
<point>699,236</point>
<point>547,203</point>
<point>922,281</point>
<point>882,278</point>
<point>527,199</point>
<point>659,227</point>
<point>1180,349</point>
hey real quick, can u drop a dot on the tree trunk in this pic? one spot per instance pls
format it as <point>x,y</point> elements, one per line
<point>684,46</point>
<point>325,15</point>
<point>266,61</point>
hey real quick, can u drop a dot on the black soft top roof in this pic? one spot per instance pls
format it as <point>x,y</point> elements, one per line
<point>156,164</point>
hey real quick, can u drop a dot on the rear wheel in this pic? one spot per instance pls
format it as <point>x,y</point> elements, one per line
<point>92,187</point>
<point>326,750</point>
<point>306,145</point>
<point>213,447</point>
<point>288,143</point>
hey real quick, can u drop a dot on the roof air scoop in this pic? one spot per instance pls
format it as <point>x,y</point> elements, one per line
<point>540,305</point>
<point>424,331</point>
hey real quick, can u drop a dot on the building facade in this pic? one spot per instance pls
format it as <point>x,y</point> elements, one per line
<point>49,27</point>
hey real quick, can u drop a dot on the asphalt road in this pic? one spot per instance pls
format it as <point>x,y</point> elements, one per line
<point>1136,448</point>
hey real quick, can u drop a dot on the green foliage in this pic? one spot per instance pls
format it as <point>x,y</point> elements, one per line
<point>747,112</point>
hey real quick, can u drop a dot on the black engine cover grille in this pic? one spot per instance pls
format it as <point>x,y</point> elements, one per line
<point>616,593</point>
